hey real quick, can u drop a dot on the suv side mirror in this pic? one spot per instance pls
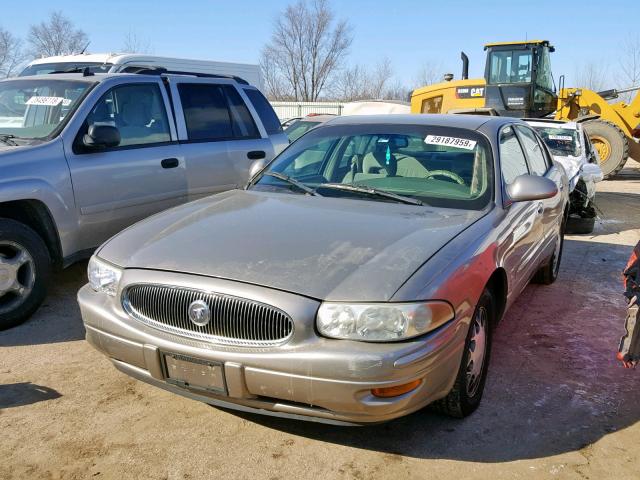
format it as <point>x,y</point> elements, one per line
<point>531,187</point>
<point>256,167</point>
<point>101,136</point>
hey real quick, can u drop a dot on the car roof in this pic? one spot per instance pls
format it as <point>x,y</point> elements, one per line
<point>471,122</point>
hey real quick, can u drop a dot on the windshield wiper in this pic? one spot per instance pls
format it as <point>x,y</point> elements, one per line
<point>370,191</point>
<point>292,181</point>
<point>7,139</point>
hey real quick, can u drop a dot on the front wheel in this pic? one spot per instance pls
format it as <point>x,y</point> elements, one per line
<point>467,390</point>
<point>24,271</point>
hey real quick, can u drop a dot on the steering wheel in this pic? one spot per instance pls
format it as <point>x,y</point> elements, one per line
<point>446,173</point>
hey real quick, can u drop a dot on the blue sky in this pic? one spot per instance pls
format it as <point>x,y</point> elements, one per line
<point>408,32</point>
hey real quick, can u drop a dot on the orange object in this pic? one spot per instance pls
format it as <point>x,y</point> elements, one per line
<point>396,390</point>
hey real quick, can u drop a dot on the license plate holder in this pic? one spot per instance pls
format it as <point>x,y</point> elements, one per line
<point>194,373</point>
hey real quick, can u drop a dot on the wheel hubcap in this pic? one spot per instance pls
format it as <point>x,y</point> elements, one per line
<point>602,146</point>
<point>17,275</point>
<point>477,351</point>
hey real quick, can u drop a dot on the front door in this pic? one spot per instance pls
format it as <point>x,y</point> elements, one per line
<point>115,187</point>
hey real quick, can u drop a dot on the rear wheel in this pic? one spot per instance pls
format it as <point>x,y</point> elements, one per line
<point>611,144</point>
<point>548,273</point>
<point>467,390</point>
<point>24,271</point>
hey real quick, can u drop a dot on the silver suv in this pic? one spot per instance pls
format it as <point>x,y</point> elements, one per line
<point>84,155</point>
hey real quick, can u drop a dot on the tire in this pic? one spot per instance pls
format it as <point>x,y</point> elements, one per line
<point>580,225</point>
<point>465,396</point>
<point>20,243</point>
<point>548,273</point>
<point>611,143</point>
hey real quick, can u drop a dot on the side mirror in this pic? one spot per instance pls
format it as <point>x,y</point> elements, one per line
<point>101,136</point>
<point>531,187</point>
<point>256,167</point>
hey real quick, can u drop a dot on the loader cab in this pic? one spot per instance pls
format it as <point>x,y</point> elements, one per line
<point>518,79</point>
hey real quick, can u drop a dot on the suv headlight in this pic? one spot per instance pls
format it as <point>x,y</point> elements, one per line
<point>381,322</point>
<point>103,277</point>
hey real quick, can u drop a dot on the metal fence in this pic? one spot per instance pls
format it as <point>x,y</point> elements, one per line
<point>286,110</point>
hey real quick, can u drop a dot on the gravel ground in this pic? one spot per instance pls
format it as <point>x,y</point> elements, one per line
<point>556,404</point>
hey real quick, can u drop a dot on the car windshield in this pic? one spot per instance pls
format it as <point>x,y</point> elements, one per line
<point>563,142</point>
<point>299,128</point>
<point>432,165</point>
<point>44,68</point>
<point>35,108</point>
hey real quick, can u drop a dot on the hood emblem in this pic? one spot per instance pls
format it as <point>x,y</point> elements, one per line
<point>199,313</point>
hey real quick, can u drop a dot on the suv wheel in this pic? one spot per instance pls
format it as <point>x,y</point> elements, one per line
<point>25,267</point>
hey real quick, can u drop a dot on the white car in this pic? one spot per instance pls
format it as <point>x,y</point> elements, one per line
<point>570,146</point>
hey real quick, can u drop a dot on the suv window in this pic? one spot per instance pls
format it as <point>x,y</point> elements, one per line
<point>512,160</point>
<point>265,111</point>
<point>243,124</point>
<point>137,111</point>
<point>206,113</point>
<point>537,161</point>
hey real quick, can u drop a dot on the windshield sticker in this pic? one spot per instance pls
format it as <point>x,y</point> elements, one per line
<point>450,142</point>
<point>48,101</point>
<point>562,138</point>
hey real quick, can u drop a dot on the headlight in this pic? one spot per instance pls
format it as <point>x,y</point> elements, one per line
<point>381,322</point>
<point>103,277</point>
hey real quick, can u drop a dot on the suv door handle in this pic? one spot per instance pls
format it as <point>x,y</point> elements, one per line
<point>170,163</point>
<point>256,155</point>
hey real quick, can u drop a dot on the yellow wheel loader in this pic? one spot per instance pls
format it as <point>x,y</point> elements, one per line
<point>518,82</point>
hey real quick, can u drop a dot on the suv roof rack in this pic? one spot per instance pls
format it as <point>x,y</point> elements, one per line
<point>162,70</point>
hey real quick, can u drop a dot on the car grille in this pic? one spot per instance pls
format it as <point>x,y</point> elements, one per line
<point>233,320</point>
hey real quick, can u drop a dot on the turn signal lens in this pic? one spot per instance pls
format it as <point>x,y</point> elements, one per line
<point>397,390</point>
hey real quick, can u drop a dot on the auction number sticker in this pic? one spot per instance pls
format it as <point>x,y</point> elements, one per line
<point>562,138</point>
<point>450,142</point>
<point>48,101</point>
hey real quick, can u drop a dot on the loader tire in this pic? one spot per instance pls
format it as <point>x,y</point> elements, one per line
<point>611,143</point>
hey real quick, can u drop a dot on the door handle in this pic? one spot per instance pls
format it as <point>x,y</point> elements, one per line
<point>256,155</point>
<point>170,163</point>
<point>540,208</point>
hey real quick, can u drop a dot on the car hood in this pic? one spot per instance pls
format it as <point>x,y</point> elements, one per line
<point>324,248</point>
<point>571,165</point>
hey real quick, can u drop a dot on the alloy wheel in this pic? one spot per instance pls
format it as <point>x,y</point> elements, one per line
<point>17,275</point>
<point>477,351</point>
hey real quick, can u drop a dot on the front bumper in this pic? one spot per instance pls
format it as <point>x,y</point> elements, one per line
<point>313,378</point>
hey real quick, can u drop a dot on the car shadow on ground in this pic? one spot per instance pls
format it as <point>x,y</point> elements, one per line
<point>554,385</point>
<point>58,319</point>
<point>26,393</point>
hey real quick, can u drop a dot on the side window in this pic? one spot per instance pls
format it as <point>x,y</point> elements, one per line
<point>512,160</point>
<point>206,113</point>
<point>265,111</point>
<point>243,124</point>
<point>310,160</point>
<point>537,160</point>
<point>137,111</point>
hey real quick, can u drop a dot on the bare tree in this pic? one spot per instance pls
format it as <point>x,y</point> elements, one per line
<point>276,86</point>
<point>11,53</point>
<point>359,83</point>
<point>630,65</point>
<point>307,47</point>
<point>593,76</point>
<point>132,43</point>
<point>56,36</point>
<point>430,72</point>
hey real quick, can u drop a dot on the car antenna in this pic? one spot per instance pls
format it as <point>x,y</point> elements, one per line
<point>85,48</point>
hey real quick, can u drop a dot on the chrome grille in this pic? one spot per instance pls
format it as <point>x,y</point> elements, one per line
<point>234,320</point>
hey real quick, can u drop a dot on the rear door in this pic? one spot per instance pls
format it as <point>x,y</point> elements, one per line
<point>218,134</point>
<point>144,174</point>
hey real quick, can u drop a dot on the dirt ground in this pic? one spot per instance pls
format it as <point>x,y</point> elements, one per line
<point>556,405</point>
